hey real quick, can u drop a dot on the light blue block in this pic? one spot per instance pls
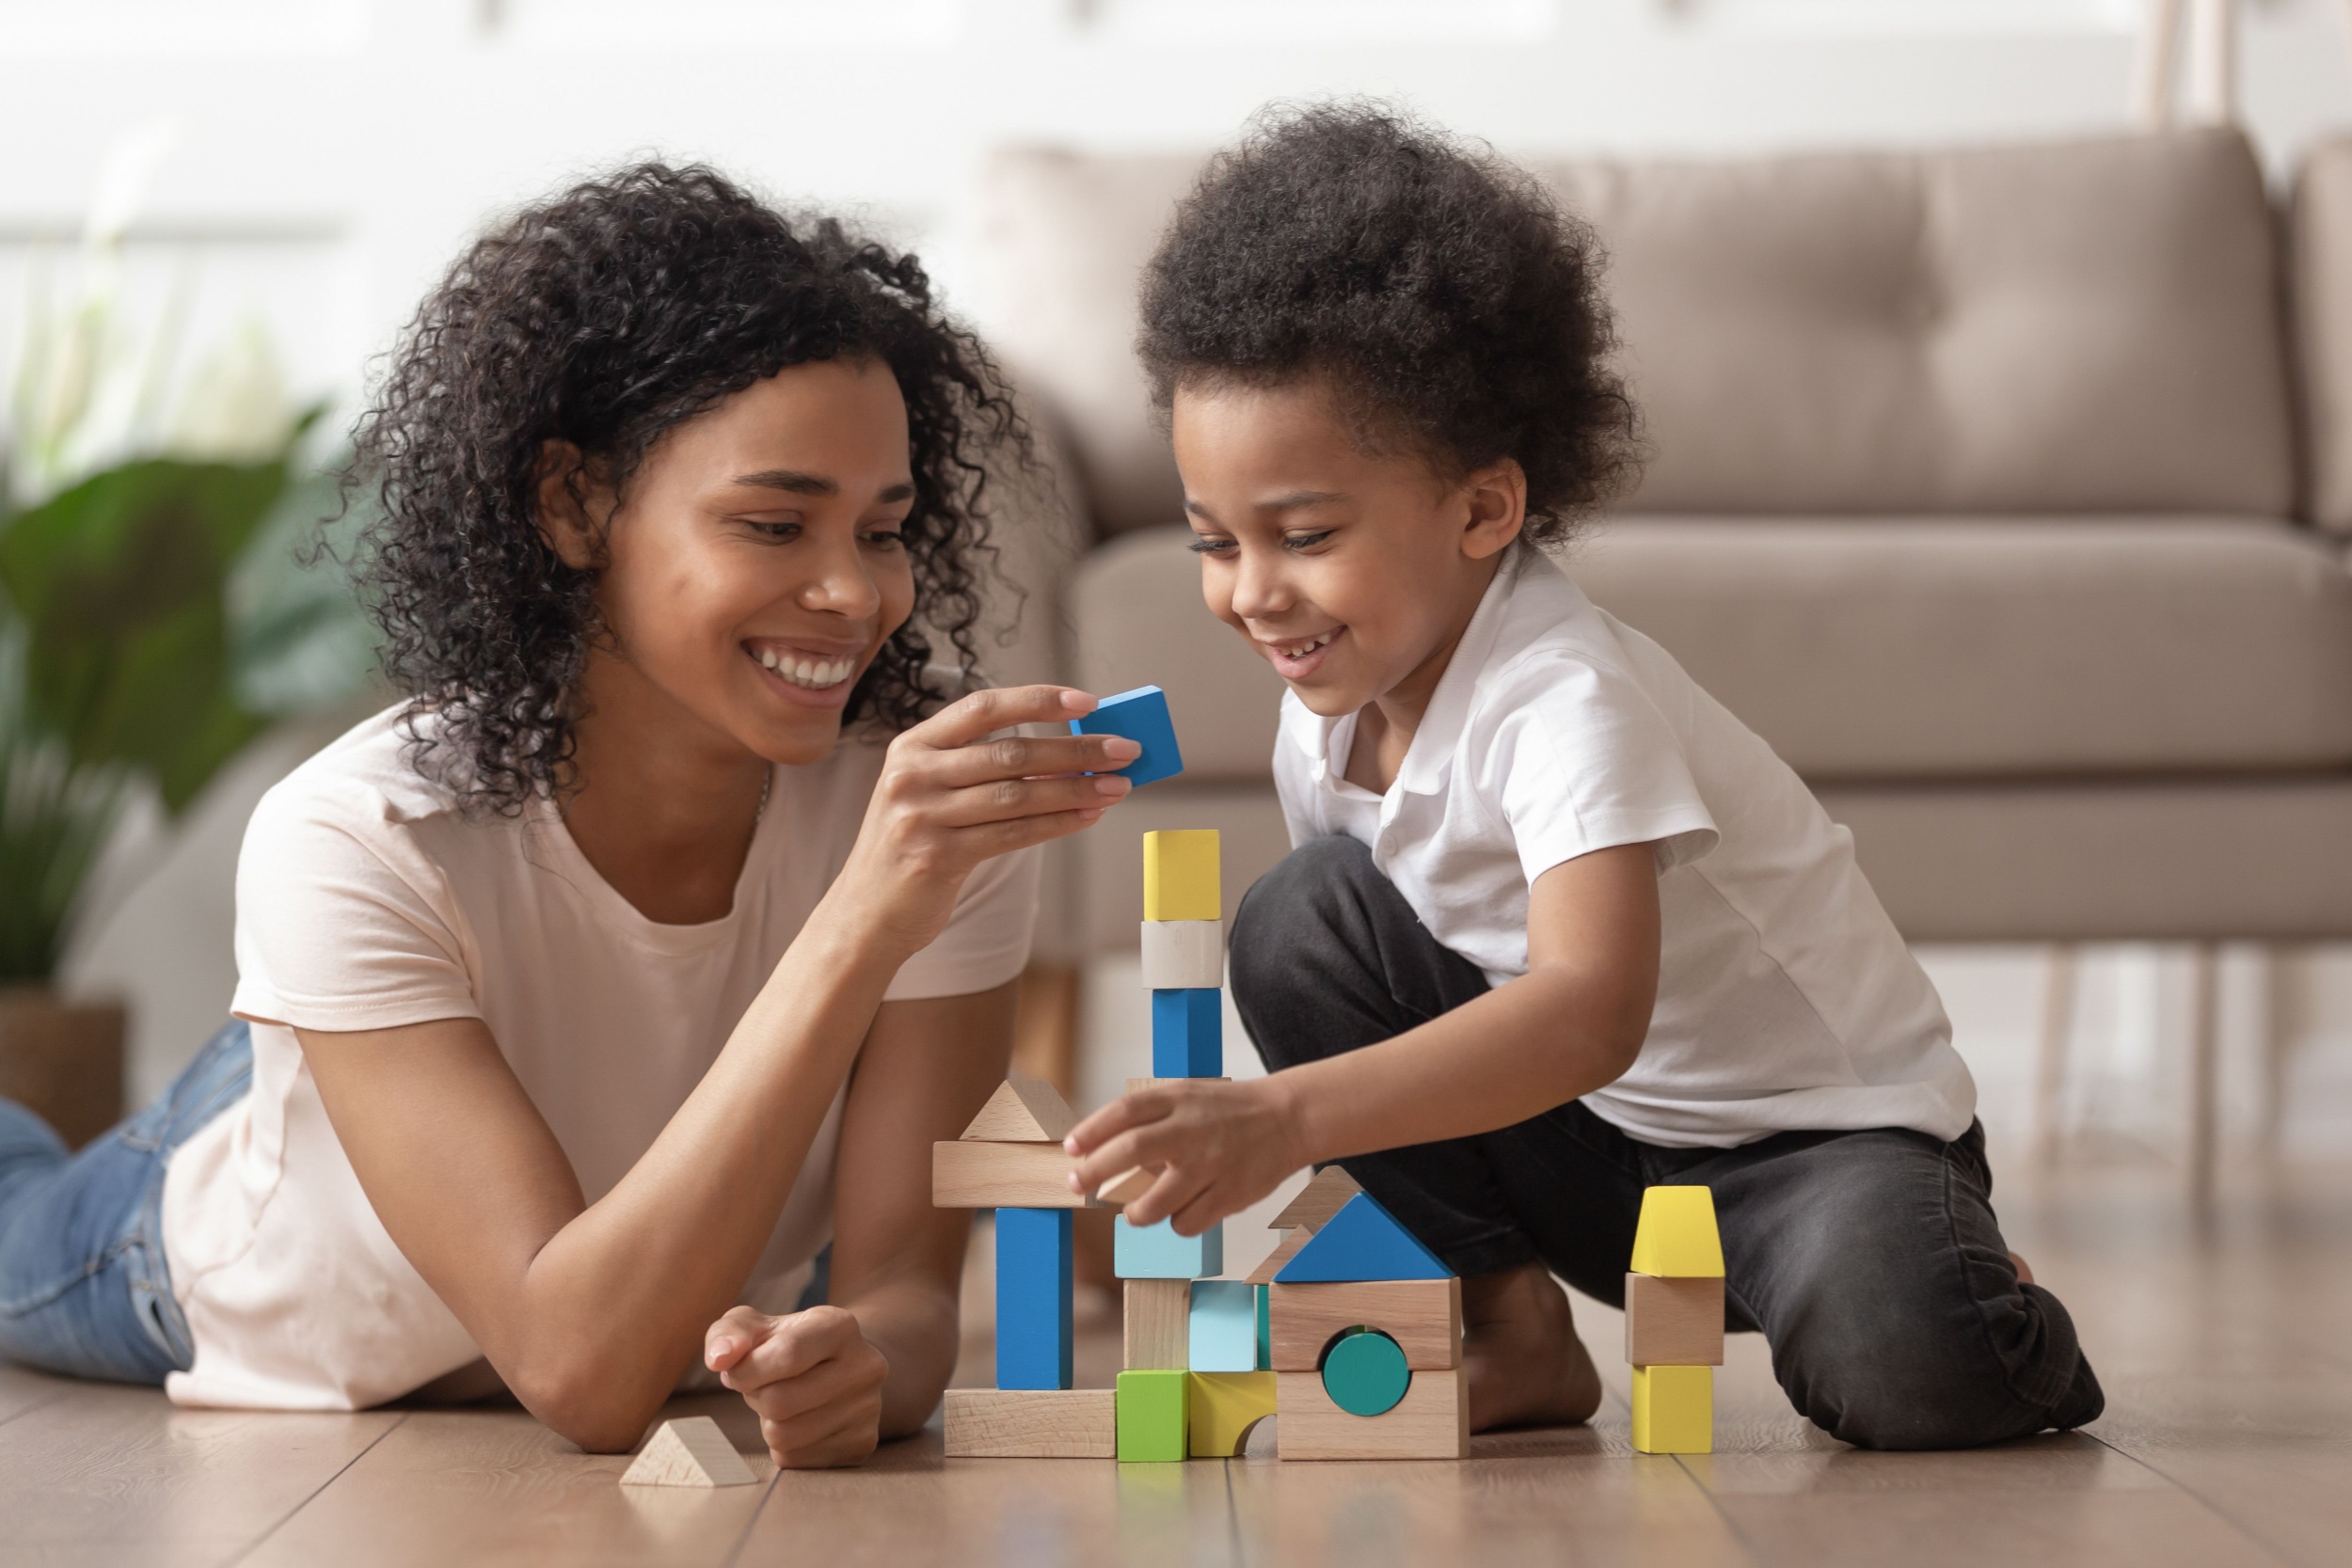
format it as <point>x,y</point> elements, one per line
<point>1224,1334</point>
<point>1156,1252</point>
<point>1188,1033</point>
<point>1033,1278</point>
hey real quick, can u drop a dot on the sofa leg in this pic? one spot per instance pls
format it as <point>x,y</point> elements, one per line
<point>2058,1031</point>
<point>2204,1070</point>
<point>2152,71</point>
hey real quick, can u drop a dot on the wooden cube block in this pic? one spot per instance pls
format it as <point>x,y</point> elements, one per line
<point>1432,1421</point>
<point>1152,1414</point>
<point>1038,1423</point>
<point>1674,1409</point>
<point>1221,1407</point>
<point>1157,1324</point>
<point>1156,1252</point>
<point>1422,1316</point>
<point>1224,1335</point>
<point>1674,1322</point>
<point>1002,1176</point>
<point>1180,875</point>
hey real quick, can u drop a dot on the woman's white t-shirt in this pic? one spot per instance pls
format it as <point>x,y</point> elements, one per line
<point>365,901</point>
<point>1786,997</point>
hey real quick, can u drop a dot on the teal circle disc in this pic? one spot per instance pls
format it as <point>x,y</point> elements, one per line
<point>1364,1372</point>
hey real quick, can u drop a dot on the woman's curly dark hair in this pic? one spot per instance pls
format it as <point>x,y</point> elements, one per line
<point>1450,303</point>
<point>605,316</point>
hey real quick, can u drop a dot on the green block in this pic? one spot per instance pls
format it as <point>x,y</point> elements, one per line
<point>1364,1372</point>
<point>1265,1329</point>
<point>1151,1416</point>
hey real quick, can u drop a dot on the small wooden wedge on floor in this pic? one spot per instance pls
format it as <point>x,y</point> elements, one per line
<point>689,1453</point>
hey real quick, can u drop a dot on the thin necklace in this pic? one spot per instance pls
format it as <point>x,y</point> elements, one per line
<point>766,780</point>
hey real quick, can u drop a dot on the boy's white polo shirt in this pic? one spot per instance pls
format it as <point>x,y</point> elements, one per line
<point>1786,998</point>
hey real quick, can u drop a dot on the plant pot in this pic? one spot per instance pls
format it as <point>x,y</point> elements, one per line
<point>62,1059</point>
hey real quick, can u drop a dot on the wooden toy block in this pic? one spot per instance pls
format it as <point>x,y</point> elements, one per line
<point>689,1453</point>
<point>1223,1336</point>
<point>1032,1423</point>
<point>1674,1409</point>
<point>1023,1111</point>
<point>1317,1201</point>
<point>1156,1252</point>
<point>1362,1241</point>
<point>1266,1325</point>
<point>1187,1033</point>
<point>1364,1372</point>
<point>1674,1322</point>
<point>1153,1411</point>
<point>1431,1421</point>
<point>1158,1325</point>
<point>1127,1186</point>
<point>1180,875</point>
<point>1284,1250</point>
<point>1142,717</point>
<point>1184,955</point>
<point>1675,1237</point>
<point>1422,1316</point>
<point>1003,1176</point>
<point>1221,1407</point>
<point>1033,1280</point>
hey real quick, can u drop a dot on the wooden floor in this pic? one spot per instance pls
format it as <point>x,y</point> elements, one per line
<point>2225,1350</point>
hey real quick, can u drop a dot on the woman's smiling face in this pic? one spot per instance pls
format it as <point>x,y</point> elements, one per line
<point>753,568</point>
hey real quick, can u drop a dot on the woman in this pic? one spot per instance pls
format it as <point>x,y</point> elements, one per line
<point>584,996</point>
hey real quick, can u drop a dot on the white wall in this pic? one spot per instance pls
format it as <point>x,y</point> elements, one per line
<point>330,156</point>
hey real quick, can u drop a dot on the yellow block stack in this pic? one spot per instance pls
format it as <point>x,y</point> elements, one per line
<point>1673,1321</point>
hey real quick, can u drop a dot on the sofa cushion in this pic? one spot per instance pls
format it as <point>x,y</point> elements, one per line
<point>1880,649</point>
<point>1901,649</point>
<point>2077,327</point>
<point>2322,271</point>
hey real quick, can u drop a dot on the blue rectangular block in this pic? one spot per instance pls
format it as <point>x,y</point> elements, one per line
<point>1187,1034</point>
<point>1224,1335</point>
<point>1033,1334</point>
<point>1156,1252</point>
<point>1141,716</point>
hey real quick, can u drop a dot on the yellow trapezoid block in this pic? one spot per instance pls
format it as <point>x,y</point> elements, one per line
<point>1676,1238</point>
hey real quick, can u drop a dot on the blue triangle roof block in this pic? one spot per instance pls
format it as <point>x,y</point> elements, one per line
<point>1361,1242</point>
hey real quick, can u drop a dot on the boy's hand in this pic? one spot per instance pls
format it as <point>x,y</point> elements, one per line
<point>812,1376</point>
<point>1218,1147</point>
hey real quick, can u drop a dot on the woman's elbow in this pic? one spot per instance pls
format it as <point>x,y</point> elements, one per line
<point>589,1407</point>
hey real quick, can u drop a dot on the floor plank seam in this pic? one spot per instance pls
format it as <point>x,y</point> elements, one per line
<point>2235,1524</point>
<point>743,1536</point>
<point>317,1492</point>
<point>1731,1527</point>
<point>37,1404</point>
<point>1232,1514</point>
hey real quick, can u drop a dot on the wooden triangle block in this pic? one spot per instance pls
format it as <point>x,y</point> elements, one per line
<point>1023,1111</point>
<point>1317,1201</point>
<point>689,1453</point>
<point>1284,1250</point>
<point>1362,1242</point>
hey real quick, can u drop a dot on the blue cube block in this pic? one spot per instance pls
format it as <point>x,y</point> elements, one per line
<point>1033,1332</point>
<point>1187,1034</point>
<point>1224,1337</point>
<point>1141,716</point>
<point>1156,1252</point>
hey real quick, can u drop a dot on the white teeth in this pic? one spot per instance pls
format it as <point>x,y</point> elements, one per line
<point>802,670</point>
<point>1301,650</point>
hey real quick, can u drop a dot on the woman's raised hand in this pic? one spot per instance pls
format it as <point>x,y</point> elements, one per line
<point>954,792</point>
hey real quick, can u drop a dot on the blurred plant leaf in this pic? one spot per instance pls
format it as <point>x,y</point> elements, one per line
<point>298,637</point>
<point>55,820</point>
<point>118,582</point>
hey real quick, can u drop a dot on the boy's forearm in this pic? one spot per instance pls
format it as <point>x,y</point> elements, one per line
<point>1538,1042</point>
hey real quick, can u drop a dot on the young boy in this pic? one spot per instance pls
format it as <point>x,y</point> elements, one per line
<point>1557,926</point>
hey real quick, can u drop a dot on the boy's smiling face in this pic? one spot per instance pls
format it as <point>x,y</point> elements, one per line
<point>1352,572</point>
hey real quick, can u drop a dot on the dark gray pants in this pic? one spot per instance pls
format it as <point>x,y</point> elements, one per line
<point>1870,1261</point>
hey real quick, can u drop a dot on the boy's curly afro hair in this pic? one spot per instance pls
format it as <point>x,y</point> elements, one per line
<point>606,316</point>
<point>1449,302</point>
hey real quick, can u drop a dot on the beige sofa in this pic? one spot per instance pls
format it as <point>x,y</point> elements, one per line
<point>1998,488</point>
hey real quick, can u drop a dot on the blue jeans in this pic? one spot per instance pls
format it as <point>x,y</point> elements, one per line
<point>84,1288</point>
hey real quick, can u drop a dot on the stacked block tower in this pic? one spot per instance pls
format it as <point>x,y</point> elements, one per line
<point>1364,1332</point>
<point>1673,1321</point>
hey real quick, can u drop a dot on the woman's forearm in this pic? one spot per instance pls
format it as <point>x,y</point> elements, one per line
<point>913,1322</point>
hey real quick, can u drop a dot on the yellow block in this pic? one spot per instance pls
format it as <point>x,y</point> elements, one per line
<point>1676,1236</point>
<point>1674,1409</point>
<point>1222,1406</point>
<point>1180,875</point>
